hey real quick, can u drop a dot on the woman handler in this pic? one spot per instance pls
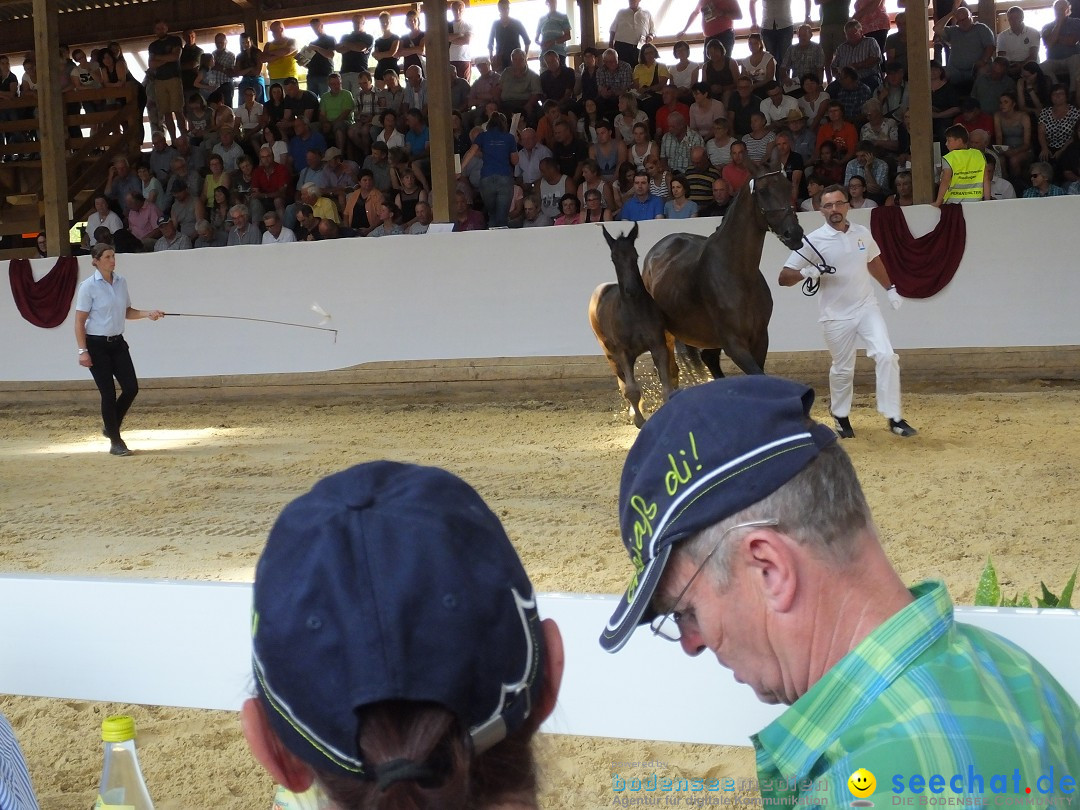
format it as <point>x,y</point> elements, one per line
<point>101,307</point>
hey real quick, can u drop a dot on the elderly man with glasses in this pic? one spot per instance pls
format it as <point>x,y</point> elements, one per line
<point>751,539</point>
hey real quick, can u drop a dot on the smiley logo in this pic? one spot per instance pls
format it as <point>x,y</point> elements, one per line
<point>862,783</point>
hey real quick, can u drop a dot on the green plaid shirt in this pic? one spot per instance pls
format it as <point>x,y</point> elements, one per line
<point>923,696</point>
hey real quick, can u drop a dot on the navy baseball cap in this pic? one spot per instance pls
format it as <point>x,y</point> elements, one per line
<point>391,581</point>
<point>711,451</point>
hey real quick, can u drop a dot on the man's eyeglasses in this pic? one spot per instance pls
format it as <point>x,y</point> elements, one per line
<point>667,625</point>
<point>831,206</point>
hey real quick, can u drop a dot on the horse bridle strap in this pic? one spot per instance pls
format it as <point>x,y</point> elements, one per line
<point>761,208</point>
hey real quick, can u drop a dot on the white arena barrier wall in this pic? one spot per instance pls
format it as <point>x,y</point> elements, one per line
<point>523,293</point>
<point>188,644</point>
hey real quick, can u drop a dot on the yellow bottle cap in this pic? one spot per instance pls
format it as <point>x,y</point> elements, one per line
<point>119,728</point>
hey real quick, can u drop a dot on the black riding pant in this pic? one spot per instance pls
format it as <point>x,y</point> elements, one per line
<point>111,359</point>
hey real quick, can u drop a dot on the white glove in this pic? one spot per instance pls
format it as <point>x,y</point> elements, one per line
<point>811,273</point>
<point>895,301</point>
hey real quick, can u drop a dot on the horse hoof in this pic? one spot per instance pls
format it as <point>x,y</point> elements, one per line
<point>639,421</point>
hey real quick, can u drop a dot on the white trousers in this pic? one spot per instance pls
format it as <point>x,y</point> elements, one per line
<point>840,337</point>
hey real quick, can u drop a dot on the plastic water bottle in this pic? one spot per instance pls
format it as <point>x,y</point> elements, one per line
<point>122,784</point>
<point>312,799</point>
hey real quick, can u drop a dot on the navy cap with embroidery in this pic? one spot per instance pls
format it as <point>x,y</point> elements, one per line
<point>711,451</point>
<point>391,581</point>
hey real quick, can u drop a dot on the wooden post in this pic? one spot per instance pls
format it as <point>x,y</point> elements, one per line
<point>590,25</point>
<point>253,25</point>
<point>52,133</point>
<point>987,13</point>
<point>922,128</point>
<point>443,175</point>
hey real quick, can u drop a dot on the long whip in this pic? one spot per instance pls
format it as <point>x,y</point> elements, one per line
<point>315,308</point>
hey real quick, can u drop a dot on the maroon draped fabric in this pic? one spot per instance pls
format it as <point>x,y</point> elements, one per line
<point>45,303</point>
<point>920,268</point>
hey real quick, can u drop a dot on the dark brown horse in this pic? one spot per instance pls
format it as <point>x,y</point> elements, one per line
<point>711,290</point>
<point>628,323</point>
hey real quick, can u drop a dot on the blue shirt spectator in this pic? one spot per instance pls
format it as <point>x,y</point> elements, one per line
<point>299,144</point>
<point>689,209</point>
<point>496,148</point>
<point>635,209</point>
<point>417,142</point>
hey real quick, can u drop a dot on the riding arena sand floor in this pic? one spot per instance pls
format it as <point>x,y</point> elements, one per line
<point>994,471</point>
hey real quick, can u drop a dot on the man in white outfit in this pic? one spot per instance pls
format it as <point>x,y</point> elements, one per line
<point>849,310</point>
<point>631,27</point>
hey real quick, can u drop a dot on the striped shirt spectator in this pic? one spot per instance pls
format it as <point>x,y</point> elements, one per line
<point>860,52</point>
<point>16,791</point>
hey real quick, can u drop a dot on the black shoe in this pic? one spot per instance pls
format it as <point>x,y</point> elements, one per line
<point>119,449</point>
<point>901,428</point>
<point>843,427</point>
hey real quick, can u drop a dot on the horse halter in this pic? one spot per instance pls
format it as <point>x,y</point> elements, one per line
<point>767,211</point>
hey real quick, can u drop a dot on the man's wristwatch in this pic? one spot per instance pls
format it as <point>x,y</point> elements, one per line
<point>83,351</point>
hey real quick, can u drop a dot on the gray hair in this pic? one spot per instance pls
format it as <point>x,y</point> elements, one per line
<point>822,508</point>
<point>202,226</point>
<point>1045,169</point>
<point>240,209</point>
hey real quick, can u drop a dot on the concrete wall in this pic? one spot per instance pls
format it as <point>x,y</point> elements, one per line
<point>522,294</point>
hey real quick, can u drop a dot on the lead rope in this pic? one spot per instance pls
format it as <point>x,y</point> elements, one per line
<point>810,286</point>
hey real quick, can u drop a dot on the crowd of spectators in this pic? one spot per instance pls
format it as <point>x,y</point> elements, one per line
<point>349,155</point>
<point>648,140</point>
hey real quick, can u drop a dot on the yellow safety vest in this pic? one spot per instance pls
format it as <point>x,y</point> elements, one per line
<point>968,167</point>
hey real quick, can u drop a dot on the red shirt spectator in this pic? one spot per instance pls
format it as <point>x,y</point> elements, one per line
<point>842,134</point>
<point>663,113</point>
<point>739,170</point>
<point>976,119</point>
<point>269,179</point>
<point>735,177</point>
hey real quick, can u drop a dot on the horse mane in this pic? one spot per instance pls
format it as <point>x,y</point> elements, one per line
<point>743,198</point>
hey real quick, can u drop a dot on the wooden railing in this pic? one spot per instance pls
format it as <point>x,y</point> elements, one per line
<point>114,129</point>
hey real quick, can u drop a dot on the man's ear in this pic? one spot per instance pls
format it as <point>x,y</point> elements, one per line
<point>282,764</point>
<point>772,555</point>
<point>554,662</point>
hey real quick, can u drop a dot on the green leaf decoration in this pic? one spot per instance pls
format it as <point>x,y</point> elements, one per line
<point>1048,599</point>
<point>1065,600</point>
<point>988,592</point>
